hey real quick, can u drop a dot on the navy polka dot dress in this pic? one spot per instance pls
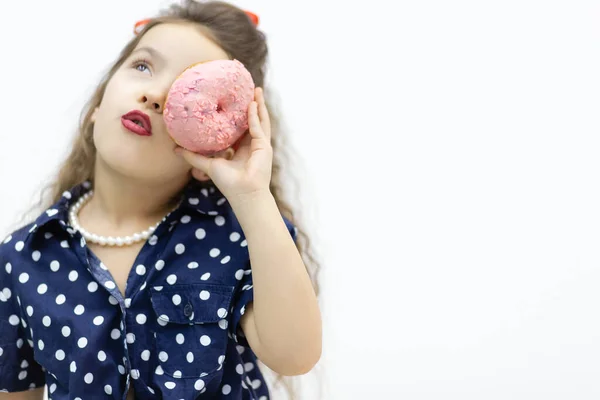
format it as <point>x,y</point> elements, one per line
<point>174,335</point>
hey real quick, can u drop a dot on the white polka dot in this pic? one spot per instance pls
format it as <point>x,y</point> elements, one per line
<point>159,370</point>
<point>64,244</point>
<point>79,309</point>
<point>113,300</point>
<point>19,245</point>
<point>140,269</point>
<point>60,299</point>
<point>256,384</point>
<point>226,389</point>
<point>43,288</point>
<point>24,277</point>
<point>163,320</point>
<point>171,279</point>
<point>176,299</point>
<point>101,355</point>
<point>243,310</point>
<point>193,201</point>
<point>220,221</point>
<point>239,369</point>
<point>193,265</point>
<point>92,287</point>
<point>22,375</point>
<point>170,385</point>
<point>19,343</point>
<point>163,356</point>
<point>180,338</point>
<point>214,252</point>
<point>225,259</point>
<point>248,366</point>
<point>115,334</point>
<point>135,373</point>
<point>199,385</point>
<point>145,355</point>
<point>190,357</point>
<point>205,295</point>
<point>5,294</point>
<point>200,233</point>
<point>46,321</point>
<point>36,255</point>
<point>205,276</point>
<point>130,337</point>
<point>54,266</point>
<point>8,268</point>
<point>180,249</point>
<point>82,342</point>
<point>127,303</point>
<point>121,369</point>
<point>108,389</point>
<point>205,340</point>
<point>73,367</point>
<point>159,265</point>
<point>185,219</point>
<point>40,344</point>
<point>222,313</point>
<point>89,378</point>
<point>66,331</point>
<point>223,324</point>
<point>104,267</point>
<point>52,388</point>
<point>177,374</point>
<point>60,355</point>
<point>244,243</point>
<point>73,276</point>
<point>98,320</point>
<point>141,319</point>
<point>239,274</point>
<point>109,285</point>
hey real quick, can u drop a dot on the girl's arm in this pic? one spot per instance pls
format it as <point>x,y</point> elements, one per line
<point>283,324</point>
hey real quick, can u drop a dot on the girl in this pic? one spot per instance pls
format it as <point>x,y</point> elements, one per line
<point>205,278</point>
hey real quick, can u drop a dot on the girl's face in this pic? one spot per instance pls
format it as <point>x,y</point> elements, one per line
<point>142,84</point>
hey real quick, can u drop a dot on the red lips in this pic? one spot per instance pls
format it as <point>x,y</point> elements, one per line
<point>137,122</point>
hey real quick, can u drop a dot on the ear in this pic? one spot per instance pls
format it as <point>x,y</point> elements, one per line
<point>93,117</point>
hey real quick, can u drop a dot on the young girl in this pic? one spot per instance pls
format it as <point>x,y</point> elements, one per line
<point>156,272</point>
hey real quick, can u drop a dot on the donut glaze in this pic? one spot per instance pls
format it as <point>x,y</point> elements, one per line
<point>206,110</point>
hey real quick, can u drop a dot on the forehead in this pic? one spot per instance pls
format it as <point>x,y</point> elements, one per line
<point>181,44</point>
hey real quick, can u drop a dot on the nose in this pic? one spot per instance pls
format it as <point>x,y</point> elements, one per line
<point>154,102</point>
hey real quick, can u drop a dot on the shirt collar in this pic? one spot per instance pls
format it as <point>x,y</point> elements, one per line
<point>202,197</point>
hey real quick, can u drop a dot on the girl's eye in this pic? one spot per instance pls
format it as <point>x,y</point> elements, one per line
<point>141,66</point>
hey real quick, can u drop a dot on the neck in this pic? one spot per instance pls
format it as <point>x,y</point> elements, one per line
<point>122,205</point>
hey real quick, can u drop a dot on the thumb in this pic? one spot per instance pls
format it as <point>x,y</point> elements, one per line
<point>196,160</point>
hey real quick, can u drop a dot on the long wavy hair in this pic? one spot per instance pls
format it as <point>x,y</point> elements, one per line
<point>232,29</point>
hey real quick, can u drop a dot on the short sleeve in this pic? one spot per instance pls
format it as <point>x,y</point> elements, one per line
<point>245,294</point>
<point>18,369</point>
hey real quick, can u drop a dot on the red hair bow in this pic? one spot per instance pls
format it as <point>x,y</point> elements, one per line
<point>139,26</point>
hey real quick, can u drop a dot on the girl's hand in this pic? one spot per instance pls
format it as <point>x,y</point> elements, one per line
<point>249,171</point>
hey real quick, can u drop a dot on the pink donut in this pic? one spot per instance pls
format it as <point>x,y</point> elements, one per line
<point>206,110</point>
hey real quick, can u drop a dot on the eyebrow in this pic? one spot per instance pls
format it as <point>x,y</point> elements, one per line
<point>153,52</point>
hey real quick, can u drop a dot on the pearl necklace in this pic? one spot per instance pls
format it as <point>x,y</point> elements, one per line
<point>110,240</point>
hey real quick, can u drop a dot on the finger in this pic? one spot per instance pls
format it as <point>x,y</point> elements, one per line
<point>254,123</point>
<point>197,161</point>
<point>263,113</point>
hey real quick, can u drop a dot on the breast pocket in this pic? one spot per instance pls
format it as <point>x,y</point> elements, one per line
<point>191,336</point>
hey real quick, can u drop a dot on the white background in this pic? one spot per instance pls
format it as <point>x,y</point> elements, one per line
<point>451,177</point>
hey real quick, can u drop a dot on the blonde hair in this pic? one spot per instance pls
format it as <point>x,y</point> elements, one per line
<point>232,29</point>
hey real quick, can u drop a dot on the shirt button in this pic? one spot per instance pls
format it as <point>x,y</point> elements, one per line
<point>188,309</point>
